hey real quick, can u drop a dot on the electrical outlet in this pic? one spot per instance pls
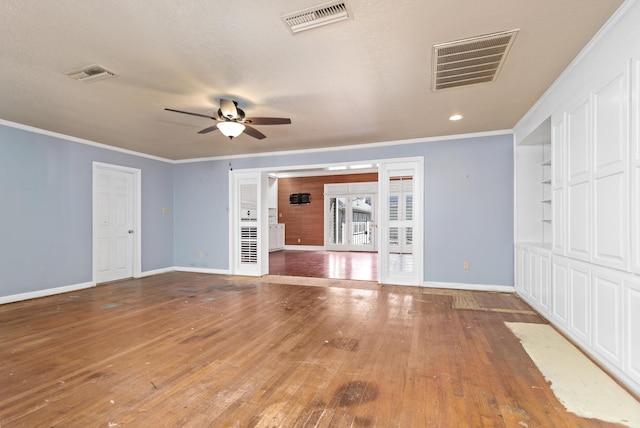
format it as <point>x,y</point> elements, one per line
<point>465,265</point>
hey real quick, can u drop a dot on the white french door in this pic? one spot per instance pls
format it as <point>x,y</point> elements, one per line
<point>249,224</point>
<point>116,227</point>
<point>350,217</point>
<point>401,222</point>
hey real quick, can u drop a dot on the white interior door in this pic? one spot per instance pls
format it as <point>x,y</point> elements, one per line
<point>401,222</point>
<point>114,223</point>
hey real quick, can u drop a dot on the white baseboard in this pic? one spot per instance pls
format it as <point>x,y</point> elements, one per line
<point>156,272</point>
<point>202,270</point>
<point>304,248</point>
<point>470,287</point>
<point>46,292</point>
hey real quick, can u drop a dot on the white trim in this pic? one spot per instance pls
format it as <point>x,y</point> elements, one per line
<point>44,293</point>
<point>254,155</point>
<point>202,270</point>
<point>80,140</point>
<point>352,147</point>
<point>471,287</point>
<point>137,215</point>
<point>156,272</point>
<point>304,248</point>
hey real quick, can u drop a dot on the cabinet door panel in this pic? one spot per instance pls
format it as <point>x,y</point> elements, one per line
<point>635,167</point>
<point>610,221</point>
<point>578,144</point>
<point>578,221</point>
<point>545,281</point>
<point>580,301</point>
<point>632,327</point>
<point>557,153</point>
<point>560,289</point>
<point>558,222</point>
<point>610,120</point>
<point>607,314</point>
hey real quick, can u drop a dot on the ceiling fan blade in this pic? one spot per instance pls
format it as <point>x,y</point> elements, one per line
<point>192,114</point>
<point>228,108</point>
<point>209,129</point>
<point>268,120</point>
<point>253,132</point>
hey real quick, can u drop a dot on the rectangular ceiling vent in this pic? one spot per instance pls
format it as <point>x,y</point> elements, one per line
<point>313,17</point>
<point>470,61</point>
<point>91,73</point>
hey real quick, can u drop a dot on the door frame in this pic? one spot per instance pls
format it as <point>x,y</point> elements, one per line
<point>137,217</point>
<point>399,167</point>
<point>416,162</point>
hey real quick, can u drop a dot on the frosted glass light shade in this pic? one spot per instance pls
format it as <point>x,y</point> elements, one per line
<point>230,129</point>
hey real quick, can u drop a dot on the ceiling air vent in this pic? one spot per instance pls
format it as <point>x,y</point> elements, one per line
<point>470,61</point>
<point>90,73</point>
<point>324,14</point>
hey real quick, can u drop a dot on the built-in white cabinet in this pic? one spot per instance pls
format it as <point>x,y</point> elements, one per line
<point>533,275</point>
<point>586,278</point>
<point>534,194</point>
<point>276,237</point>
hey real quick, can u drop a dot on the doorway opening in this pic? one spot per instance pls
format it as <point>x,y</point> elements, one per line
<point>344,232</point>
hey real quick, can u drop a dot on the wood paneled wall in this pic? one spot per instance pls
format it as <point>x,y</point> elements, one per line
<point>304,224</point>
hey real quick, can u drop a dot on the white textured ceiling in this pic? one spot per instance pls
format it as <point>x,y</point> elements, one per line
<point>364,80</point>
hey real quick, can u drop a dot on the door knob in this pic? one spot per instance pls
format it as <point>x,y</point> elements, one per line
<point>130,231</point>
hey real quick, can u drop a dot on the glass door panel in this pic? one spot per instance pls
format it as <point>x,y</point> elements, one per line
<point>350,223</point>
<point>362,223</point>
<point>337,221</point>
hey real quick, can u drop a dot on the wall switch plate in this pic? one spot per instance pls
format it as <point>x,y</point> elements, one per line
<point>465,265</point>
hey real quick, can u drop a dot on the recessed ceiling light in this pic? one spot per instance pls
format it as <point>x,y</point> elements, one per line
<point>455,117</point>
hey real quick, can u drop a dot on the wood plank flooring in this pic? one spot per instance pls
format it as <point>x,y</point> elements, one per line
<point>362,266</point>
<point>195,350</point>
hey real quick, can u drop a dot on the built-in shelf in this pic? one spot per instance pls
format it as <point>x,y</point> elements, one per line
<point>546,181</point>
<point>546,220</point>
<point>546,201</point>
<point>546,163</point>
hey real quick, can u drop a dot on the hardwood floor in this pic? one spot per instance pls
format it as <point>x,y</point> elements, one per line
<point>195,350</point>
<point>361,266</point>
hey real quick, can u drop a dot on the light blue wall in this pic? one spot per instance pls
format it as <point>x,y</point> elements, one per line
<point>45,210</point>
<point>45,185</point>
<point>468,205</point>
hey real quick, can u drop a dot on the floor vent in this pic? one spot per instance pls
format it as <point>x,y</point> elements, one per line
<point>91,73</point>
<point>470,61</point>
<point>313,17</point>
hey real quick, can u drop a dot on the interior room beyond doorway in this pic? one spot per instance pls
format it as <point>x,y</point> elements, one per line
<point>304,227</point>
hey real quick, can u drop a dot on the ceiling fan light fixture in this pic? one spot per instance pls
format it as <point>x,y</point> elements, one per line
<point>230,128</point>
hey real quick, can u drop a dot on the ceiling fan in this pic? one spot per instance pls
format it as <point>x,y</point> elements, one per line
<point>231,121</point>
